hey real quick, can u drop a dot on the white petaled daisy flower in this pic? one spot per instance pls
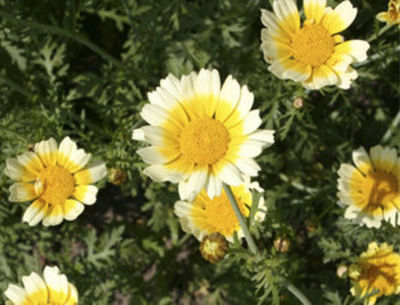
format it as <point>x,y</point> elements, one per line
<point>371,188</point>
<point>52,289</point>
<point>201,134</point>
<point>312,53</point>
<point>56,179</point>
<point>204,216</point>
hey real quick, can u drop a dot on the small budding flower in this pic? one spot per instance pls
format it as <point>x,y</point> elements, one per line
<point>214,247</point>
<point>298,103</point>
<point>392,16</point>
<point>282,244</point>
<point>116,176</point>
<point>341,271</point>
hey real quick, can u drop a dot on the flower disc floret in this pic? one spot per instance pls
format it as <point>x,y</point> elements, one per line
<point>201,134</point>
<point>311,52</point>
<point>56,179</point>
<point>204,215</point>
<point>204,141</point>
<point>371,189</point>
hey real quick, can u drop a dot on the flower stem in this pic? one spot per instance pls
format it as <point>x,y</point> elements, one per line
<point>381,31</point>
<point>252,245</point>
<point>242,222</point>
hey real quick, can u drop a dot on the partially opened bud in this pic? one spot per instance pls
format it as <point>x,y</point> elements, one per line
<point>213,247</point>
<point>117,176</point>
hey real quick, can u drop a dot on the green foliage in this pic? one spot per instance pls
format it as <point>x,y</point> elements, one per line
<point>82,68</point>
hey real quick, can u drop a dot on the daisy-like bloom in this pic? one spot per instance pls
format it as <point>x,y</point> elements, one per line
<point>376,273</point>
<point>312,53</point>
<point>392,16</point>
<point>371,188</point>
<point>56,179</point>
<point>201,134</point>
<point>205,216</point>
<point>52,289</point>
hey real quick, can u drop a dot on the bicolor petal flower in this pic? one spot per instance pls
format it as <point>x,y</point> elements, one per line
<point>371,188</point>
<point>56,180</point>
<point>205,216</point>
<point>312,53</point>
<point>376,273</point>
<point>201,134</point>
<point>392,16</point>
<point>53,288</point>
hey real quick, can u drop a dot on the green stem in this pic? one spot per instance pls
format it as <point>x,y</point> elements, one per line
<point>252,245</point>
<point>61,32</point>
<point>242,222</point>
<point>381,31</point>
<point>392,127</point>
<point>297,293</point>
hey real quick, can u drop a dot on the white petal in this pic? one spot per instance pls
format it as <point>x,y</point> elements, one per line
<point>153,155</point>
<point>31,162</point>
<point>138,134</point>
<point>94,173</point>
<point>35,213</point>
<point>250,149</point>
<point>287,13</point>
<point>57,283</point>
<point>78,160</point>
<point>340,18</point>
<point>16,294</point>
<point>160,173</point>
<point>231,175</point>
<point>346,78</point>
<point>54,216</point>
<point>66,149</point>
<point>35,286</point>
<point>357,49</point>
<point>47,151</point>
<point>314,9</point>
<point>16,171</point>
<point>72,209</point>
<point>21,192</point>
<point>248,166</point>
<point>86,194</point>
<point>361,159</point>
<point>251,122</point>
<point>214,186</point>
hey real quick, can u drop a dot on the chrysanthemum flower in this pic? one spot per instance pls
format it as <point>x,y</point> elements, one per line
<point>55,179</point>
<point>53,288</point>
<point>392,16</point>
<point>205,216</point>
<point>312,53</point>
<point>201,134</point>
<point>376,273</point>
<point>371,190</point>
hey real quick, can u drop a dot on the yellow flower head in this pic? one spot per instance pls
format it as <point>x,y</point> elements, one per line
<point>53,289</point>
<point>201,134</point>
<point>392,16</point>
<point>376,273</point>
<point>312,53</point>
<point>56,179</point>
<point>371,189</point>
<point>204,216</point>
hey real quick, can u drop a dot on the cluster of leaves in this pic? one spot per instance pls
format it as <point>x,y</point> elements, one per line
<point>82,68</point>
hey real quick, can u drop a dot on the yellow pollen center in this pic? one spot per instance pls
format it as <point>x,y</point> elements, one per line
<point>381,276</point>
<point>379,189</point>
<point>313,45</point>
<point>58,184</point>
<point>218,215</point>
<point>204,141</point>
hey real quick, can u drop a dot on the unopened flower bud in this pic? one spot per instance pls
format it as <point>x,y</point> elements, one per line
<point>298,103</point>
<point>341,271</point>
<point>281,244</point>
<point>117,176</point>
<point>213,247</point>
